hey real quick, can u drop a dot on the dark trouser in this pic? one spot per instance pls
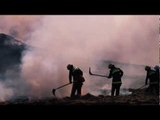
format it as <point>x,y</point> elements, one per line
<point>153,89</point>
<point>76,87</point>
<point>115,88</point>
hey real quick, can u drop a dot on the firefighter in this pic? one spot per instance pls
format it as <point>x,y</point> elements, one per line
<point>75,77</point>
<point>153,81</point>
<point>116,75</point>
<point>157,68</point>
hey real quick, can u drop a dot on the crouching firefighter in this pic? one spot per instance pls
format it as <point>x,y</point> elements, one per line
<point>75,77</point>
<point>116,75</point>
<point>153,81</point>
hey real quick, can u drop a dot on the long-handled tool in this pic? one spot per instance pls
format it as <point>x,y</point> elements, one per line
<point>96,74</point>
<point>135,90</point>
<point>54,90</point>
<point>141,87</point>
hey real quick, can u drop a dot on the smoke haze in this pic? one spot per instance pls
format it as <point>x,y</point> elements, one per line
<point>84,41</point>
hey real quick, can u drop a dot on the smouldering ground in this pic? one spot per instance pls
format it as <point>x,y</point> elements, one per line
<point>136,98</point>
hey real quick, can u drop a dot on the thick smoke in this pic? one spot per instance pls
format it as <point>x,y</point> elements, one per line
<point>5,93</point>
<point>84,41</point>
<point>18,26</point>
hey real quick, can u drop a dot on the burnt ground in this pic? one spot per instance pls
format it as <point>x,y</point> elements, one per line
<point>138,97</point>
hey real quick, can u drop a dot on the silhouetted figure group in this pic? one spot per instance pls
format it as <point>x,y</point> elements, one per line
<point>76,77</point>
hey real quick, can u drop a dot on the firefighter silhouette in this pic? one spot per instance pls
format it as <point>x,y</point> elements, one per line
<point>116,74</point>
<point>153,77</point>
<point>75,77</point>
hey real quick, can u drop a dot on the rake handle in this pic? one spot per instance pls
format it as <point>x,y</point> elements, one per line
<point>62,86</point>
<point>96,74</point>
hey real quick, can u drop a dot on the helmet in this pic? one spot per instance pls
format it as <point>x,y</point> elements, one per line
<point>110,66</point>
<point>69,66</point>
<point>147,67</point>
<point>156,67</point>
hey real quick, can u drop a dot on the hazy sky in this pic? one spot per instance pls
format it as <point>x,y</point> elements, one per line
<point>125,37</point>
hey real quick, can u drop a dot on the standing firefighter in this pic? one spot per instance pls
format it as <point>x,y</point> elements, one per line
<point>157,69</point>
<point>153,81</point>
<point>116,74</point>
<point>75,77</point>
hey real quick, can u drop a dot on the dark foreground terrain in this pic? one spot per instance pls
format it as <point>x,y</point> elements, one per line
<point>136,98</point>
